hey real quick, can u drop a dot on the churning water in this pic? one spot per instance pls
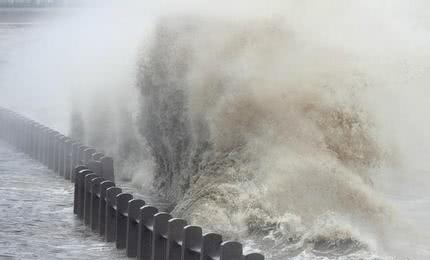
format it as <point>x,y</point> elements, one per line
<point>37,220</point>
<point>299,128</point>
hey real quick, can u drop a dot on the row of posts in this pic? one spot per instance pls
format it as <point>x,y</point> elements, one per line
<point>55,150</point>
<point>140,229</point>
<point>143,231</point>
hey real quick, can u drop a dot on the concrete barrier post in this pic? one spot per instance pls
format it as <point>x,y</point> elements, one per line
<point>159,239</point>
<point>82,149</point>
<point>97,156</point>
<point>19,140</point>
<point>18,135</point>
<point>4,125</point>
<point>231,250</point>
<point>95,202</point>
<point>52,140</point>
<point>110,212</point>
<point>24,135</point>
<point>107,168</point>
<point>80,172</point>
<point>61,153</point>
<point>254,256</point>
<point>95,164</point>
<point>14,130</point>
<point>56,155</point>
<point>26,124</point>
<point>45,145</point>
<point>31,128</point>
<point>88,197</point>
<point>175,238</point>
<point>38,143</point>
<point>75,159</point>
<point>34,140</point>
<point>9,127</point>
<point>145,235</point>
<point>88,155</point>
<point>192,246</point>
<point>121,219</point>
<point>67,170</point>
<point>102,206</point>
<point>40,146</point>
<point>17,132</point>
<point>211,246</point>
<point>134,207</point>
<point>53,136</point>
<point>47,151</point>
<point>31,134</point>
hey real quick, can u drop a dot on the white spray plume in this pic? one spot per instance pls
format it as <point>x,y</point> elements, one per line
<point>263,118</point>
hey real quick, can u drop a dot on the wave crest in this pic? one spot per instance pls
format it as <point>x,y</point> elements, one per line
<point>247,124</point>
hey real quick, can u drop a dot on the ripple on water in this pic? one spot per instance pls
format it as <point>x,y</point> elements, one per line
<point>36,215</point>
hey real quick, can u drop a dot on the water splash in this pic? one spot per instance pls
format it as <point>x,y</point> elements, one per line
<point>244,136</point>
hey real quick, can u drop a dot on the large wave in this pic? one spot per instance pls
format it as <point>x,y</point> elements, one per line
<point>256,134</point>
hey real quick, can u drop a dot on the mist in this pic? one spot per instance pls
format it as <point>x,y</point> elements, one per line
<point>297,126</point>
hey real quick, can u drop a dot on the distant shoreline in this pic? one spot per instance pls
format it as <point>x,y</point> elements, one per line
<point>17,15</point>
<point>39,4</point>
<point>36,8</point>
<point>16,10</point>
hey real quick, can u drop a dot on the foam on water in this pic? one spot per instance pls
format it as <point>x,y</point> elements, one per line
<point>271,123</point>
